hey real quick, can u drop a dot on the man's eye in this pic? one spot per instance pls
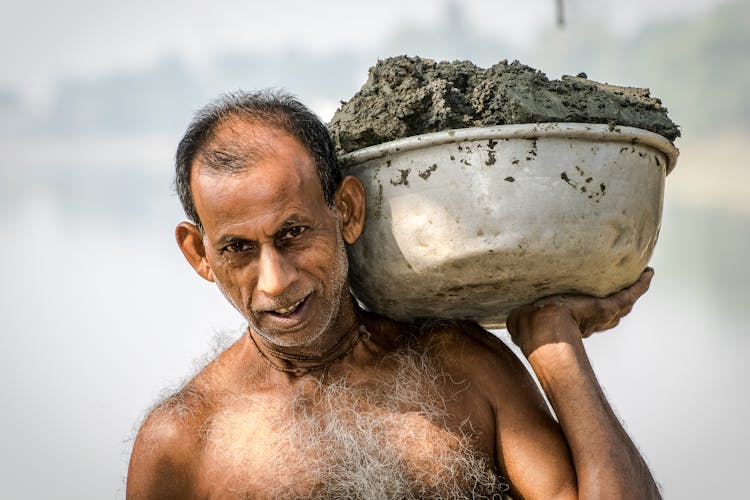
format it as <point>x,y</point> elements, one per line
<point>238,247</point>
<point>292,232</point>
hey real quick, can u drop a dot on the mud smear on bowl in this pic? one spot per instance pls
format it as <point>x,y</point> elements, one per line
<point>407,96</point>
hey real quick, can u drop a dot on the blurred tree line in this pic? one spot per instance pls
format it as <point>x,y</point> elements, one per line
<point>699,66</point>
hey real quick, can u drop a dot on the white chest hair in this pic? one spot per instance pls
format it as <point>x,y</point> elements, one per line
<point>337,445</point>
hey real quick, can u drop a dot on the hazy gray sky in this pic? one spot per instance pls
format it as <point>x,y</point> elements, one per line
<point>44,40</point>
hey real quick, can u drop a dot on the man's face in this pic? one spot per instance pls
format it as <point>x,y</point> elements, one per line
<point>273,245</point>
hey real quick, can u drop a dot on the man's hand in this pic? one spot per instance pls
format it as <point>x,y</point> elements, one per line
<point>567,318</point>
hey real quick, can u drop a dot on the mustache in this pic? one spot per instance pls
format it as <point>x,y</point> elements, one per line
<point>290,297</point>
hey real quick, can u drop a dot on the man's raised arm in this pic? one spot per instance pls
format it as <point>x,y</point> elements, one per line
<point>607,463</point>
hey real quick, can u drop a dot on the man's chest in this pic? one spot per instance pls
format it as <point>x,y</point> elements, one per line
<point>338,447</point>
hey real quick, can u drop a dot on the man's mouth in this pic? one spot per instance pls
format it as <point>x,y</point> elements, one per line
<point>288,311</point>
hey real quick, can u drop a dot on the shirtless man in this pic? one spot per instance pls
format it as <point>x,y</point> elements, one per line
<point>320,399</point>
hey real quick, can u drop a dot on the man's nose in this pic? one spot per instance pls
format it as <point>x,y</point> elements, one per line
<point>275,272</point>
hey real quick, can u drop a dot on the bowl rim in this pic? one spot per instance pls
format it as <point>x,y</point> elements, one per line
<point>557,130</point>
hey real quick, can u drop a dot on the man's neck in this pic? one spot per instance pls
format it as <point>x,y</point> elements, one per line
<point>334,345</point>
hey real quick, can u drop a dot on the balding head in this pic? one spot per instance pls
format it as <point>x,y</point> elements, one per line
<point>267,108</point>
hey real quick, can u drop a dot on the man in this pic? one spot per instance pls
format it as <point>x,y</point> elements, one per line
<point>319,399</point>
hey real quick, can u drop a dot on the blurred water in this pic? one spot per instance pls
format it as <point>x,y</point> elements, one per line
<point>93,318</point>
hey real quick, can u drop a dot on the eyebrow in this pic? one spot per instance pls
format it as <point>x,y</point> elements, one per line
<point>290,221</point>
<point>231,238</point>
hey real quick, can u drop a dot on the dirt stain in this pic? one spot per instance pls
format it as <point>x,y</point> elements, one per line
<point>490,158</point>
<point>425,174</point>
<point>403,180</point>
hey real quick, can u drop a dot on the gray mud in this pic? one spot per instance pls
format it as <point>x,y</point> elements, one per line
<point>406,96</point>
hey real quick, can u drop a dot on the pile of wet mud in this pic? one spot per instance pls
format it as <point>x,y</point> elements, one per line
<point>406,96</point>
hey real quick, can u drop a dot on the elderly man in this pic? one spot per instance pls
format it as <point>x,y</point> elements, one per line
<point>319,399</point>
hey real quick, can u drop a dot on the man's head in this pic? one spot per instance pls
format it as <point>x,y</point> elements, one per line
<point>272,108</point>
<point>270,234</point>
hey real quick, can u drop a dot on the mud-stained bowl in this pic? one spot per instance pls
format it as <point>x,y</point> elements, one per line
<point>471,223</point>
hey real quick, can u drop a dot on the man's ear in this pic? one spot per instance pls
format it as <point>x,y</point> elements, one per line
<point>350,202</point>
<point>190,240</point>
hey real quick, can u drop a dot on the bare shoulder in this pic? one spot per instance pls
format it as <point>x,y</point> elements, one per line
<point>531,451</point>
<point>167,447</point>
<point>492,369</point>
<point>467,347</point>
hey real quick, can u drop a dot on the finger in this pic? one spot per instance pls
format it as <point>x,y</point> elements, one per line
<point>624,300</point>
<point>601,328</point>
<point>608,318</point>
<point>620,304</point>
<point>617,305</point>
<point>643,283</point>
<point>611,324</point>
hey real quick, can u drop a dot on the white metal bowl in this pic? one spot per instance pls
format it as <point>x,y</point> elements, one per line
<point>472,223</point>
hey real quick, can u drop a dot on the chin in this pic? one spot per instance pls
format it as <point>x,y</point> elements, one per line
<point>290,338</point>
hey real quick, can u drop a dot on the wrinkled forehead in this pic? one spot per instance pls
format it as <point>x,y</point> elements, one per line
<point>238,142</point>
<point>248,169</point>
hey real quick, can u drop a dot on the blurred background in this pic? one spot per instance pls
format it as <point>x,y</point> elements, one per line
<point>99,312</point>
